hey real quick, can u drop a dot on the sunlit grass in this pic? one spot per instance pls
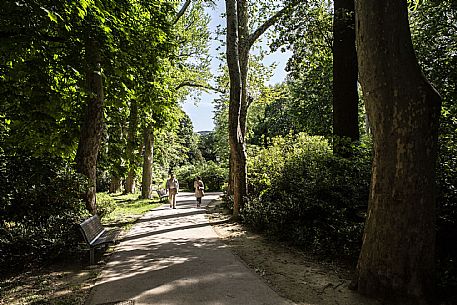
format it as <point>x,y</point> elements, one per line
<point>128,208</point>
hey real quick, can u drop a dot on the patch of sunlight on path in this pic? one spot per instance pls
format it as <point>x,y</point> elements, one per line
<point>173,256</point>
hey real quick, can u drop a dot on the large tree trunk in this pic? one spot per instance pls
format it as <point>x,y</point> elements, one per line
<point>92,126</point>
<point>397,256</point>
<point>146,182</point>
<point>236,139</point>
<point>345,95</point>
<point>131,145</point>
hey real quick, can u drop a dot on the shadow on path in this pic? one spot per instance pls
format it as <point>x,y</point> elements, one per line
<point>173,256</point>
<point>127,238</point>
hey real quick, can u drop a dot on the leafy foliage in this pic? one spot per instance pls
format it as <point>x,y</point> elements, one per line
<point>302,193</point>
<point>39,208</point>
<point>308,33</point>
<point>41,78</point>
<point>213,175</point>
<point>105,204</point>
<point>435,41</point>
<point>207,146</point>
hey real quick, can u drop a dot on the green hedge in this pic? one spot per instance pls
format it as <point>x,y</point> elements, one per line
<point>300,192</point>
<point>105,204</point>
<point>213,175</point>
<point>39,208</point>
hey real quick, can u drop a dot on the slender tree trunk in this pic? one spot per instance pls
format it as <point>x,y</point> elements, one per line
<point>115,184</point>
<point>345,73</point>
<point>397,256</point>
<point>130,182</point>
<point>92,126</point>
<point>131,145</point>
<point>146,182</point>
<point>236,139</point>
<point>239,42</point>
<point>243,57</point>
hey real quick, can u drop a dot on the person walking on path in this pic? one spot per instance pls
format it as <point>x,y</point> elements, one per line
<point>199,190</point>
<point>175,257</point>
<point>172,189</point>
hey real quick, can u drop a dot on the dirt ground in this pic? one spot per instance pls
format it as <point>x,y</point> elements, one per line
<point>291,273</point>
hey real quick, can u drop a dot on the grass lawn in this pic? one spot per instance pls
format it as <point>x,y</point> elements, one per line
<point>128,209</point>
<point>68,281</point>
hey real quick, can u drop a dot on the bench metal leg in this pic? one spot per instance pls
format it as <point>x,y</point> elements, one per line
<point>92,256</point>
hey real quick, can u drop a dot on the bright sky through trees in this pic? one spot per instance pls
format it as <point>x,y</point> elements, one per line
<point>201,113</point>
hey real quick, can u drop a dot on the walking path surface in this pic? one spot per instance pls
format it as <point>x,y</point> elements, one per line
<point>173,256</point>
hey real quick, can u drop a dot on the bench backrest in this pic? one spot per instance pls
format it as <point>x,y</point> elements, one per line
<point>92,228</point>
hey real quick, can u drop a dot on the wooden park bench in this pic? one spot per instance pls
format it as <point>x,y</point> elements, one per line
<point>96,235</point>
<point>162,194</point>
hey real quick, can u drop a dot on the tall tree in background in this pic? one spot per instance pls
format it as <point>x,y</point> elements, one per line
<point>132,147</point>
<point>189,69</point>
<point>92,125</point>
<point>91,131</point>
<point>397,256</point>
<point>129,50</point>
<point>146,181</point>
<point>240,40</point>
<point>345,95</point>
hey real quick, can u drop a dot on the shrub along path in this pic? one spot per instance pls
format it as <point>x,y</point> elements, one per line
<point>173,256</point>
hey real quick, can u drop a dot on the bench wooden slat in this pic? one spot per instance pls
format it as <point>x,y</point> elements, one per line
<point>106,238</point>
<point>92,228</point>
<point>96,235</point>
<point>162,194</point>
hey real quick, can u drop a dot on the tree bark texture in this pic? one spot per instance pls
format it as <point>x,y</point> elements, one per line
<point>92,126</point>
<point>243,57</point>
<point>345,74</point>
<point>236,139</point>
<point>130,182</point>
<point>397,256</point>
<point>131,145</point>
<point>146,182</point>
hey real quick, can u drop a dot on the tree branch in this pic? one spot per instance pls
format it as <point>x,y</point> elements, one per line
<point>202,86</point>
<point>269,22</point>
<point>250,101</point>
<point>182,11</point>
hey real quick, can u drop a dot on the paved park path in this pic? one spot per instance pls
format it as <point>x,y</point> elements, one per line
<point>174,257</point>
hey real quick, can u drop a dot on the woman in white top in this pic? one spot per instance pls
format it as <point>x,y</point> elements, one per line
<point>199,190</point>
<point>172,189</point>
